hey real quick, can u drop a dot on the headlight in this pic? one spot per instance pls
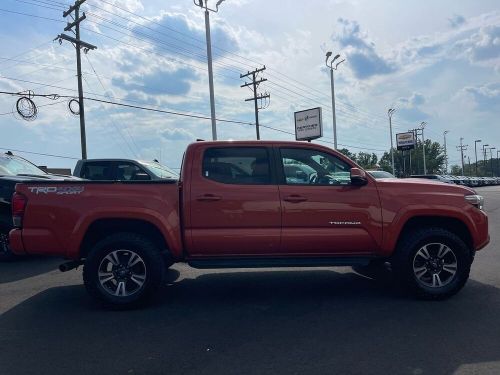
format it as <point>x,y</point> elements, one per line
<point>475,200</point>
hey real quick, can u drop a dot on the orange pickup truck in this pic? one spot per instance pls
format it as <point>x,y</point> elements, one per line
<point>252,204</point>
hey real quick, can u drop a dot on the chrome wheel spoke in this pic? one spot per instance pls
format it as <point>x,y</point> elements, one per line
<point>113,258</point>
<point>133,260</point>
<point>443,250</point>
<point>424,253</point>
<point>451,268</point>
<point>420,271</point>
<point>120,289</point>
<point>138,279</point>
<point>436,280</point>
<point>106,276</point>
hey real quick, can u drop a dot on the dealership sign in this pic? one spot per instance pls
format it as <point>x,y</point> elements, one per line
<point>308,124</point>
<point>405,141</point>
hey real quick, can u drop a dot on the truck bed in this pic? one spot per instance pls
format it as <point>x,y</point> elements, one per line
<point>59,213</point>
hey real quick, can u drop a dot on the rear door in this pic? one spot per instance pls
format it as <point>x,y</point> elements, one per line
<point>323,214</point>
<point>234,204</point>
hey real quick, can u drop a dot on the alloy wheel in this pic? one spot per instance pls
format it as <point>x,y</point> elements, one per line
<point>122,273</point>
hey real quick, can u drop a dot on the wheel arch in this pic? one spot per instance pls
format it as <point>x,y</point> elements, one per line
<point>454,225</point>
<point>102,228</point>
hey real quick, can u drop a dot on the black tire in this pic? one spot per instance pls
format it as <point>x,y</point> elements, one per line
<point>125,274</point>
<point>418,274</point>
<point>5,254</point>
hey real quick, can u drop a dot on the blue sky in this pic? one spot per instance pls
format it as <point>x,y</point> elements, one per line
<point>434,61</point>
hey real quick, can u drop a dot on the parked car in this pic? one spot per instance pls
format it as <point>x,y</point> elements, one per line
<point>380,174</point>
<point>15,169</point>
<point>122,170</point>
<point>128,234</point>
<point>433,177</point>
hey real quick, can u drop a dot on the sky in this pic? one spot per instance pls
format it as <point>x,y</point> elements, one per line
<point>434,61</point>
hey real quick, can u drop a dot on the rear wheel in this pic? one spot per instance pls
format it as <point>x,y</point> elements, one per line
<point>123,269</point>
<point>433,262</point>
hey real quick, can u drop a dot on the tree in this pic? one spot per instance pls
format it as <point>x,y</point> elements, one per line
<point>456,170</point>
<point>348,153</point>
<point>367,160</point>
<point>406,163</point>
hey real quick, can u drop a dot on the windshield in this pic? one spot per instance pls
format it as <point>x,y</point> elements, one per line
<point>160,170</point>
<point>11,166</point>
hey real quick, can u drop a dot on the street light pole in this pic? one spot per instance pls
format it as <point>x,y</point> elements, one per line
<point>199,3</point>
<point>390,113</point>
<point>475,151</point>
<point>484,157</point>
<point>332,83</point>
<point>422,126</point>
<point>445,152</point>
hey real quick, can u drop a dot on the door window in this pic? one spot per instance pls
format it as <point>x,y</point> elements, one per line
<point>312,167</point>
<point>237,165</point>
<point>130,172</point>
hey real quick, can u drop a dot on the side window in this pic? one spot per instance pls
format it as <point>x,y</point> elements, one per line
<point>311,167</point>
<point>100,171</point>
<point>237,165</point>
<point>130,172</point>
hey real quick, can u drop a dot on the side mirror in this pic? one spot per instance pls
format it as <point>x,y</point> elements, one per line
<point>358,177</point>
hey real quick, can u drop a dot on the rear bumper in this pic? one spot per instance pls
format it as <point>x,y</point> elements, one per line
<point>16,244</point>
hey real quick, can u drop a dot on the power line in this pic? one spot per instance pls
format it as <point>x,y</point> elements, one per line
<point>39,153</point>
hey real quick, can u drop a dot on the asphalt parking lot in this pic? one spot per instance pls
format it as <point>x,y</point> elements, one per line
<point>324,321</point>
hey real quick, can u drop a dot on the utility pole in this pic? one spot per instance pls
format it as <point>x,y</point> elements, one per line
<point>199,3</point>
<point>254,84</point>
<point>417,132</point>
<point>422,127</point>
<point>390,112</point>
<point>475,152</point>
<point>445,153</point>
<point>498,164</point>
<point>78,45</point>
<point>470,172</point>
<point>491,159</point>
<point>462,148</point>
<point>332,83</point>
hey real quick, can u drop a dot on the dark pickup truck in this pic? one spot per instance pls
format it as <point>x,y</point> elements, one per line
<point>252,204</point>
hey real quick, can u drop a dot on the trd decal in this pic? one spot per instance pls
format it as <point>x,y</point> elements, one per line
<point>59,190</point>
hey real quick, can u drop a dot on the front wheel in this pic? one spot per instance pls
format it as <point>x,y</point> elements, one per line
<point>123,269</point>
<point>433,262</point>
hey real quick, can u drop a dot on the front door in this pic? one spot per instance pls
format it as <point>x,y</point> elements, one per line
<point>323,214</point>
<point>234,203</point>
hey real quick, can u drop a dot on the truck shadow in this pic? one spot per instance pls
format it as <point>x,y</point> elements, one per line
<point>25,267</point>
<point>314,322</point>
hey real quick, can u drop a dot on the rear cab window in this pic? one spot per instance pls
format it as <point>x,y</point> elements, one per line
<point>237,165</point>
<point>98,171</point>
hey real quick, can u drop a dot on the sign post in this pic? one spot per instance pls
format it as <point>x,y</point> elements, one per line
<point>308,124</point>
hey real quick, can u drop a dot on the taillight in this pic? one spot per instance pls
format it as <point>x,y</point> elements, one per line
<point>18,207</point>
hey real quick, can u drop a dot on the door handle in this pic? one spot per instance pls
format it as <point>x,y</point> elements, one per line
<point>208,198</point>
<point>295,199</point>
